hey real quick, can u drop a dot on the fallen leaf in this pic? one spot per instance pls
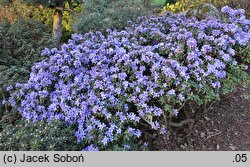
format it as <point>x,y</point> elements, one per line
<point>232,148</point>
<point>206,118</point>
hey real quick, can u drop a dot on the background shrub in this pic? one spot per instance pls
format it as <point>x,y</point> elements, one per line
<point>184,5</point>
<point>45,15</point>
<point>100,15</point>
<point>20,45</point>
<point>11,11</point>
<point>38,136</point>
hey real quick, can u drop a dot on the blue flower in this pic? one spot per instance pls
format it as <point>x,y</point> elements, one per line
<point>216,84</point>
<point>91,148</point>
<point>226,57</point>
<point>171,92</point>
<point>175,112</point>
<point>191,42</point>
<point>9,88</point>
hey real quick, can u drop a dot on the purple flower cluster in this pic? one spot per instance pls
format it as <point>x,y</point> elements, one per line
<point>109,84</point>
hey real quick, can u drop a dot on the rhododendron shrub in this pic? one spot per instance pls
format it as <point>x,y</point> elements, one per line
<point>123,85</point>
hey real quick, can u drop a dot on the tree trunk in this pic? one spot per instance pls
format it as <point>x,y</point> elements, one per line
<point>146,3</point>
<point>57,26</point>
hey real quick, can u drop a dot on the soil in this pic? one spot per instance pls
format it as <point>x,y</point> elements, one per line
<point>224,127</point>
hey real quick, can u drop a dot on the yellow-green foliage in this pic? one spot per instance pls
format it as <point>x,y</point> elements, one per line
<point>183,5</point>
<point>16,9</point>
<point>46,16</point>
<point>179,6</point>
<point>67,18</point>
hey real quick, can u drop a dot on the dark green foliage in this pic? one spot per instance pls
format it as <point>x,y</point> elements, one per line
<point>236,76</point>
<point>38,136</point>
<point>20,46</point>
<point>170,1</point>
<point>139,146</point>
<point>244,54</point>
<point>100,15</point>
<point>5,2</point>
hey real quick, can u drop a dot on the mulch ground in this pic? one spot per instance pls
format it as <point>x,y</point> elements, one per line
<point>225,127</point>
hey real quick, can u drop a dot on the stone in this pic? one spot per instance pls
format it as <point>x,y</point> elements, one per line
<point>204,11</point>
